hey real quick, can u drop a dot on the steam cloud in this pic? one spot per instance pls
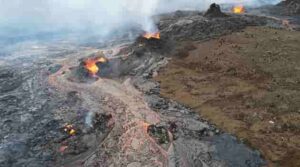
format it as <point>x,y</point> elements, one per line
<point>99,16</point>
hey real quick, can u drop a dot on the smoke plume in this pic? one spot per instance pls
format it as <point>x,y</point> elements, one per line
<point>101,17</point>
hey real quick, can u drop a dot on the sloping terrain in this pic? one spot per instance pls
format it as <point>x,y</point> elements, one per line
<point>55,113</point>
<point>290,7</point>
<point>247,83</point>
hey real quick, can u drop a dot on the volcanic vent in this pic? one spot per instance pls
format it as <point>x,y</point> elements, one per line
<point>214,11</point>
<point>95,66</point>
<point>134,102</point>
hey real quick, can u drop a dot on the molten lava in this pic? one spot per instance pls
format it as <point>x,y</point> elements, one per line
<point>151,35</point>
<point>239,9</point>
<point>69,129</point>
<point>91,64</point>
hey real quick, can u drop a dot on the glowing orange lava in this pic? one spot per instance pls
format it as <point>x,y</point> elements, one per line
<point>151,35</point>
<point>91,64</point>
<point>239,9</point>
<point>69,129</point>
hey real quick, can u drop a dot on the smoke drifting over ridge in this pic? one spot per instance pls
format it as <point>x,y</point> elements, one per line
<point>100,16</point>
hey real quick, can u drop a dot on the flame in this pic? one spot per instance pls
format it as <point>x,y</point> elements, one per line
<point>72,132</point>
<point>69,129</point>
<point>91,64</point>
<point>239,9</point>
<point>152,35</point>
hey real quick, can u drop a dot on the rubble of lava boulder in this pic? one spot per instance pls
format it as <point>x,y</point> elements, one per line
<point>34,134</point>
<point>191,25</point>
<point>290,7</point>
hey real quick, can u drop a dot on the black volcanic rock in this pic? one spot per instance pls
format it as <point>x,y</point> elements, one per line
<point>214,11</point>
<point>291,7</point>
<point>152,44</point>
<point>159,133</point>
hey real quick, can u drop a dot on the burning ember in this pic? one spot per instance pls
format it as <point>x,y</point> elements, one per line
<point>69,129</point>
<point>91,64</point>
<point>150,35</point>
<point>239,9</point>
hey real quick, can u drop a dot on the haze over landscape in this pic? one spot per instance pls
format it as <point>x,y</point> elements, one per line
<point>100,17</point>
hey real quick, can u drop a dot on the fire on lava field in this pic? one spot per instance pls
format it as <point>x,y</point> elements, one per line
<point>239,9</point>
<point>205,89</point>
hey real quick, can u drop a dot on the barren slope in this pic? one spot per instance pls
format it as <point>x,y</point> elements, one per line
<point>248,83</point>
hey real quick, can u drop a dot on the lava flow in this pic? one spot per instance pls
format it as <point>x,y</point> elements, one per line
<point>152,35</point>
<point>239,9</point>
<point>91,64</point>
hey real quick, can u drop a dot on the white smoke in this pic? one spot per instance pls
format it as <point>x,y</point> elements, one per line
<point>89,119</point>
<point>100,16</point>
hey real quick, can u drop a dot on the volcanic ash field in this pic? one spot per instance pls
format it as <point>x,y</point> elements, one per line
<point>206,89</point>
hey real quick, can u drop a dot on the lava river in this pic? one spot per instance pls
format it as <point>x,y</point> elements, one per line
<point>128,137</point>
<point>128,142</point>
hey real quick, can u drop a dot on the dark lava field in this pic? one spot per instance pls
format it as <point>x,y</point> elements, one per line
<point>210,89</point>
